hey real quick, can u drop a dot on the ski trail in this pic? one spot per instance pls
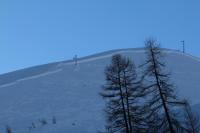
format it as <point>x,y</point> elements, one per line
<point>29,78</point>
<point>101,57</point>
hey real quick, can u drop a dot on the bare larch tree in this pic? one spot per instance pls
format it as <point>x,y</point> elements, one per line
<point>162,99</point>
<point>121,92</point>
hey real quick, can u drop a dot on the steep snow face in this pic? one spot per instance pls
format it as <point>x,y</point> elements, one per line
<point>70,92</point>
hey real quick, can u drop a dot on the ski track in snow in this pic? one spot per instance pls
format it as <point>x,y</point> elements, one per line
<point>101,57</point>
<point>29,78</point>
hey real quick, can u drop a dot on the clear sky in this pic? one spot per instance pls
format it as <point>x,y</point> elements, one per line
<point>35,32</point>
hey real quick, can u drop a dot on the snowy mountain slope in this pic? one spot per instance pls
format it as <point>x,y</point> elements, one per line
<point>70,93</point>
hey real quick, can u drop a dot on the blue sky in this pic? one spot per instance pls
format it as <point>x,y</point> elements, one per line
<point>36,32</point>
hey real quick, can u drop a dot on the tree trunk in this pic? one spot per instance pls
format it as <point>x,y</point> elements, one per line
<point>161,95</point>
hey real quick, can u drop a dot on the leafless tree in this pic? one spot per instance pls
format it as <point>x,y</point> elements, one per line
<point>162,99</point>
<point>121,93</point>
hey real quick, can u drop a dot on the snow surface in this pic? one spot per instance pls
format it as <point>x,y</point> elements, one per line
<point>70,93</point>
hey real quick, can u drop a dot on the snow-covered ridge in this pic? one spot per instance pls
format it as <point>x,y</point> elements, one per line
<point>46,69</point>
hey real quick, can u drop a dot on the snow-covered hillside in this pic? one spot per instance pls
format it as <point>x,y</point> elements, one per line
<point>70,93</point>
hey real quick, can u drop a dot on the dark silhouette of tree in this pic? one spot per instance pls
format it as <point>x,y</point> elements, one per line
<point>160,92</point>
<point>121,93</point>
